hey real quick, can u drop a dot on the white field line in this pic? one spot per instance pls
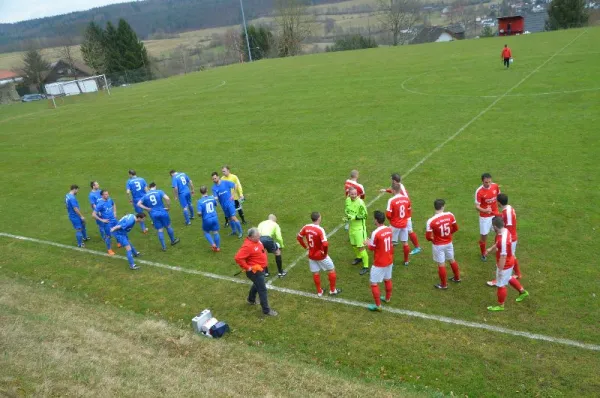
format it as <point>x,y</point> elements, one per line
<point>443,144</point>
<point>352,303</point>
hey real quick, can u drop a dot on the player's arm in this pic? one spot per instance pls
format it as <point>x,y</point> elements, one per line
<point>388,190</point>
<point>76,210</point>
<point>167,202</point>
<point>115,209</point>
<point>325,245</point>
<point>453,227</point>
<point>491,250</point>
<point>429,233</point>
<point>115,228</point>
<point>191,186</point>
<point>478,205</point>
<point>501,262</point>
<point>129,195</point>
<point>175,190</point>
<point>278,238</point>
<point>300,239</point>
<point>95,215</point>
<point>140,204</point>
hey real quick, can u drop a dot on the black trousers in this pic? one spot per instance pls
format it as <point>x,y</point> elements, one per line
<point>258,286</point>
<point>507,62</point>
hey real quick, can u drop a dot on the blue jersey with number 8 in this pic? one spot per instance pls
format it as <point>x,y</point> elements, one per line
<point>181,181</point>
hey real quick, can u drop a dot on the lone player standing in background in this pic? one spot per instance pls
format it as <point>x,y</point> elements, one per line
<point>238,193</point>
<point>506,55</point>
<point>487,206</point>
<point>318,259</point>
<point>504,265</point>
<point>510,222</point>
<point>356,214</point>
<point>136,189</point>
<point>396,179</point>
<point>440,229</point>
<point>383,262</point>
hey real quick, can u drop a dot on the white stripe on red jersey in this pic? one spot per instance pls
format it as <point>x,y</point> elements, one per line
<point>510,221</point>
<point>441,226</point>
<point>316,240</point>
<point>504,248</point>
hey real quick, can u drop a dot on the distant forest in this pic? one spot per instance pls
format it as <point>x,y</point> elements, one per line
<point>145,17</point>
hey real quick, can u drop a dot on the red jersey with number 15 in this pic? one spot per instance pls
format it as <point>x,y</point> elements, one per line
<point>440,228</point>
<point>360,190</point>
<point>504,248</point>
<point>398,211</point>
<point>316,240</point>
<point>381,244</point>
<point>486,199</point>
<point>510,221</point>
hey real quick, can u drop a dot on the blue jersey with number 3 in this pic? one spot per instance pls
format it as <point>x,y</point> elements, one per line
<point>137,187</point>
<point>207,206</point>
<point>154,200</point>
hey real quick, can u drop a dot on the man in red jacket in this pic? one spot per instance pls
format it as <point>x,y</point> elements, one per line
<point>252,258</point>
<point>506,55</point>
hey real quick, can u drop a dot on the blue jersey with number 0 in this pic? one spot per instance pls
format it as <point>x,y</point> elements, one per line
<point>137,186</point>
<point>207,206</point>
<point>223,192</point>
<point>105,209</point>
<point>181,181</point>
<point>71,203</point>
<point>154,200</point>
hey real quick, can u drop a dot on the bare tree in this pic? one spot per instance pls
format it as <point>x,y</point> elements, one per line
<point>66,54</point>
<point>233,45</point>
<point>295,25</point>
<point>399,17</point>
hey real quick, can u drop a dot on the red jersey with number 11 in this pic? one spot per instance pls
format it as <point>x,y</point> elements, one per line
<point>381,244</point>
<point>316,240</point>
<point>440,228</point>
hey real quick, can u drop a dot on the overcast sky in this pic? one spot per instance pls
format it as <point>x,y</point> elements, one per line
<point>20,10</point>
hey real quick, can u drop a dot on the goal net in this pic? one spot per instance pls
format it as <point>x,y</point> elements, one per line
<point>60,90</point>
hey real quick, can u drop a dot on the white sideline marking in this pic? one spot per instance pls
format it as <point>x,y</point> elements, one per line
<point>440,146</point>
<point>353,303</point>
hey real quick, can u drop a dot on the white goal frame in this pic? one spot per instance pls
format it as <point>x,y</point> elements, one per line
<point>57,89</point>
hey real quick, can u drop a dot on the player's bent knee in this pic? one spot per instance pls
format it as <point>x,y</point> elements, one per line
<point>128,248</point>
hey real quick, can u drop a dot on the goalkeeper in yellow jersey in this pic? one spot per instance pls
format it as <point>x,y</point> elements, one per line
<point>356,213</point>
<point>237,192</point>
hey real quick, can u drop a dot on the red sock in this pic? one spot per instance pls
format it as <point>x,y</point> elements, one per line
<point>516,269</point>
<point>317,279</point>
<point>502,295</point>
<point>413,239</point>
<point>406,251</point>
<point>332,277</point>
<point>388,289</point>
<point>443,276</point>
<point>455,270</point>
<point>376,294</point>
<point>515,283</point>
<point>482,248</point>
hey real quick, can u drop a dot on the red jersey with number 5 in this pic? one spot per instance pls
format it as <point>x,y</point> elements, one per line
<point>381,244</point>
<point>440,228</point>
<point>398,211</point>
<point>510,221</point>
<point>486,199</point>
<point>316,240</point>
<point>504,248</point>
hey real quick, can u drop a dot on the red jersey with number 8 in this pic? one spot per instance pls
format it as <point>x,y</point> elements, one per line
<point>381,244</point>
<point>398,211</point>
<point>316,239</point>
<point>440,228</point>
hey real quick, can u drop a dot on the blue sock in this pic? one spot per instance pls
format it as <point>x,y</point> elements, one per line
<point>102,234</point>
<point>133,248</point>
<point>161,238</point>
<point>209,238</point>
<point>143,225</point>
<point>171,233</point>
<point>217,239</point>
<point>186,215</point>
<point>238,227</point>
<point>107,242</point>
<point>79,237</point>
<point>84,231</point>
<point>130,257</point>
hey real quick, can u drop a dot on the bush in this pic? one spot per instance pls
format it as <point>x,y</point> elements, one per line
<point>487,32</point>
<point>352,42</point>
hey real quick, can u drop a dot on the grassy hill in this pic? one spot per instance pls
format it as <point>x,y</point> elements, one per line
<point>292,129</point>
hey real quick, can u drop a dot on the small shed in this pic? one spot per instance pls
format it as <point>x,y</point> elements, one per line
<point>509,26</point>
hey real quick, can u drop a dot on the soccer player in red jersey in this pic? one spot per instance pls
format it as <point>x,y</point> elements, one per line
<point>505,262</point>
<point>381,271</point>
<point>398,212</point>
<point>510,222</point>
<point>313,237</point>
<point>396,179</point>
<point>440,229</point>
<point>353,182</point>
<point>486,205</point>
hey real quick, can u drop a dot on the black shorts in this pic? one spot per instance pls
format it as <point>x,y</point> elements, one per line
<point>238,205</point>
<point>270,245</point>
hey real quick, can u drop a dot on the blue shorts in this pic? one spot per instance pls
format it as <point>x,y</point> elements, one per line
<point>210,225</point>
<point>108,226</point>
<point>185,199</point>
<point>122,239</point>
<point>161,220</point>
<point>100,224</point>
<point>229,210</point>
<point>137,209</point>
<point>77,223</point>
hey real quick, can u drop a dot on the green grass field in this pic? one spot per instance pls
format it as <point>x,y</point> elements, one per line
<point>292,129</point>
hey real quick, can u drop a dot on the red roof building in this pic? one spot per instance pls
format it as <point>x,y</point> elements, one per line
<point>509,26</point>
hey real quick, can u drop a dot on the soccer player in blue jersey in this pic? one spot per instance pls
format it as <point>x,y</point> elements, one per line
<point>106,213</point>
<point>75,215</point>
<point>93,198</point>
<point>157,204</point>
<point>207,209</point>
<point>136,189</point>
<point>183,188</point>
<point>222,190</point>
<point>120,231</point>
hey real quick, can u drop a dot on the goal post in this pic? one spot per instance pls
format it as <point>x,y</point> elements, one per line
<point>91,84</point>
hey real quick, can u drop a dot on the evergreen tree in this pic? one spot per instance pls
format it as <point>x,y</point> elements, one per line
<point>566,14</point>
<point>34,67</point>
<point>125,55</point>
<point>260,40</point>
<point>92,48</point>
